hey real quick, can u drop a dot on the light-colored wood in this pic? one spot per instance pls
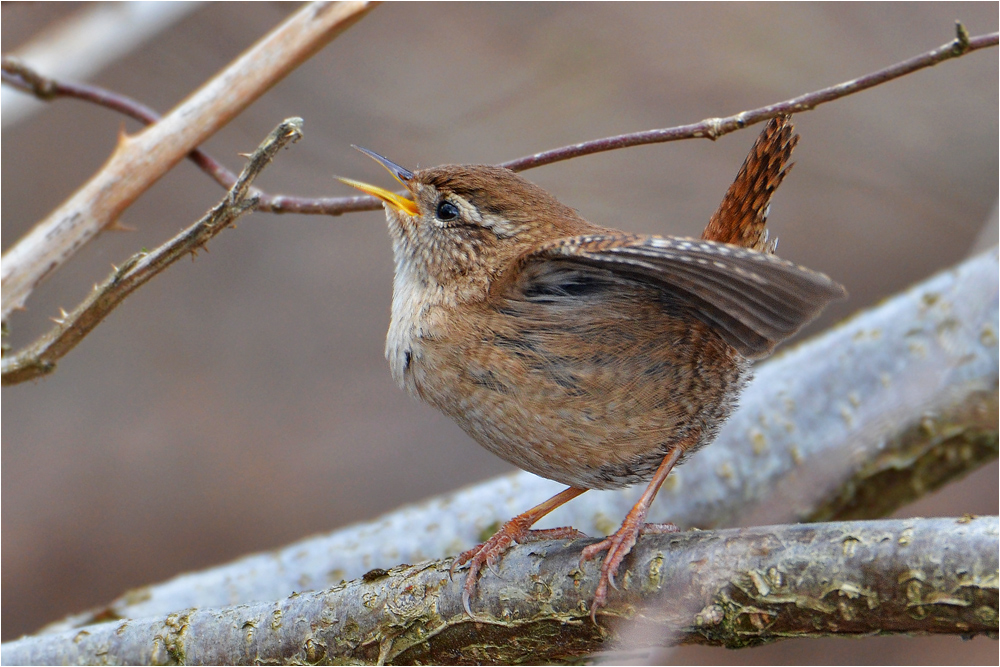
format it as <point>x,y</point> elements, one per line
<point>140,160</point>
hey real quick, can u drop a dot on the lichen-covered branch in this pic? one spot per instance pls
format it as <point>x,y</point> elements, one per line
<point>735,588</point>
<point>140,160</point>
<point>41,357</point>
<point>884,406</point>
<point>943,445</point>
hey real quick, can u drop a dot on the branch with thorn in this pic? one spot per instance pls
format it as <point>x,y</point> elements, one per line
<point>40,358</point>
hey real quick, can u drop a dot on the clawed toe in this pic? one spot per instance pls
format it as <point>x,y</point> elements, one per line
<point>515,530</point>
<point>618,547</point>
<point>461,559</point>
<point>489,553</point>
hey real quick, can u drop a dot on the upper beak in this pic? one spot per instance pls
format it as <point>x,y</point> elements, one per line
<point>404,176</point>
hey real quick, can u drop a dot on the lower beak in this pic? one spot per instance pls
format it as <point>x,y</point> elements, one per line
<point>401,174</point>
<point>399,202</point>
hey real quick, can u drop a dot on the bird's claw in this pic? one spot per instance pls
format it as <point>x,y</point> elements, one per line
<point>489,552</point>
<point>618,545</point>
<point>465,602</point>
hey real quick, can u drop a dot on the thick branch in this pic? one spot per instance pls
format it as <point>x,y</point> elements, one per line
<point>16,74</point>
<point>139,160</point>
<point>864,410</point>
<point>735,588</point>
<point>41,357</point>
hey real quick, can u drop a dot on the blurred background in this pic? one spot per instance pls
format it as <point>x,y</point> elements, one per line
<point>241,401</point>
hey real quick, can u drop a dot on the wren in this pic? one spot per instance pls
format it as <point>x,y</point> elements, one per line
<point>591,356</point>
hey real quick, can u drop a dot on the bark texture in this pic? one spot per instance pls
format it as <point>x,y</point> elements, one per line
<point>735,588</point>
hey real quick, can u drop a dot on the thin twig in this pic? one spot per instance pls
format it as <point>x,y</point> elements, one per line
<point>86,41</point>
<point>713,128</point>
<point>41,357</point>
<point>734,588</point>
<point>140,160</point>
<point>18,75</point>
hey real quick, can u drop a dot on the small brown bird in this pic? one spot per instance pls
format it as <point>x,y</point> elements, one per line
<point>587,355</point>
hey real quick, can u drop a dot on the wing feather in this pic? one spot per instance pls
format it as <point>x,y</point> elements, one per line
<point>755,300</point>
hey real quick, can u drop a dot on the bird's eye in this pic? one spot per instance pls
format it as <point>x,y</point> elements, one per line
<point>447,211</point>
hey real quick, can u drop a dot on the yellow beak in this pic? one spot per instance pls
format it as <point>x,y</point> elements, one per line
<point>401,174</point>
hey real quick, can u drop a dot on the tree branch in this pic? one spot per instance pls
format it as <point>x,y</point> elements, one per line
<point>22,77</point>
<point>734,588</point>
<point>26,79</point>
<point>713,128</point>
<point>87,41</point>
<point>41,357</point>
<point>139,160</point>
<point>867,409</point>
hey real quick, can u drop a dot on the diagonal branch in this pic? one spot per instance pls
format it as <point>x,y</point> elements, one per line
<point>734,588</point>
<point>22,77</point>
<point>140,160</point>
<point>88,40</point>
<point>713,128</point>
<point>40,358</point>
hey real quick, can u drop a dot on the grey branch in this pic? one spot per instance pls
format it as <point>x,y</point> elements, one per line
<point>890,403</point>
<point>40,358</point>
<point>734,588</point>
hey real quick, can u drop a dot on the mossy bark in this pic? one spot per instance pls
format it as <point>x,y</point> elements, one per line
<point>734,588</point>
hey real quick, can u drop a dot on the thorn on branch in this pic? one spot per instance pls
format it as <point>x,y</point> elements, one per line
<point>713,128</point>
<point>40,357</point>
<point>961,39</point>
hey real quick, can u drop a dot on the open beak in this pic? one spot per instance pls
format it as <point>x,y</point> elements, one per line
<point>404,176</point>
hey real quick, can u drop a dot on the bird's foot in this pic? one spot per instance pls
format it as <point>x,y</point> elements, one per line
<point>490,551</point>
<point>618,545</point>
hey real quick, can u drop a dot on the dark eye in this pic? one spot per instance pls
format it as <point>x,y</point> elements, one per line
<point>447,211</point>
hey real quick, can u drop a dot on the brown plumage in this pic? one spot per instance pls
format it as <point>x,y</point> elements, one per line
<point>742,215</point>
<point>587,355</point>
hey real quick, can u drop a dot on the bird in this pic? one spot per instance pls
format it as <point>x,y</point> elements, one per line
<point>592,356</point>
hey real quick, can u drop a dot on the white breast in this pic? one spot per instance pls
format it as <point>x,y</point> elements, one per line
<point>410,299</point>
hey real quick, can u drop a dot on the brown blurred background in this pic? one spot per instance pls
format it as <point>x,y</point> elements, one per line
<point>241,401</point>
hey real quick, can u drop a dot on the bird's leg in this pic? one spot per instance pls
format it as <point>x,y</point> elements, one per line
<point>515,530</point>
<point>620,543</point>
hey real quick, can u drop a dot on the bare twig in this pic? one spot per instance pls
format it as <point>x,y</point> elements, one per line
<point>18,75</point>
<point>139,160</point>
<point>891,403</point>
<point>755,586</point>
<point>70,329</point>
<point>24,78</point>
<point>713,128</point>
<point>88,40</point>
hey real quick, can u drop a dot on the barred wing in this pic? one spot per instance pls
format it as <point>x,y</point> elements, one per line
<point>755,300</point>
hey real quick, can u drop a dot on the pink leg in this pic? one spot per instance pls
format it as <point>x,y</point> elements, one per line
<point>620,543</point>
<point>515,530</point>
